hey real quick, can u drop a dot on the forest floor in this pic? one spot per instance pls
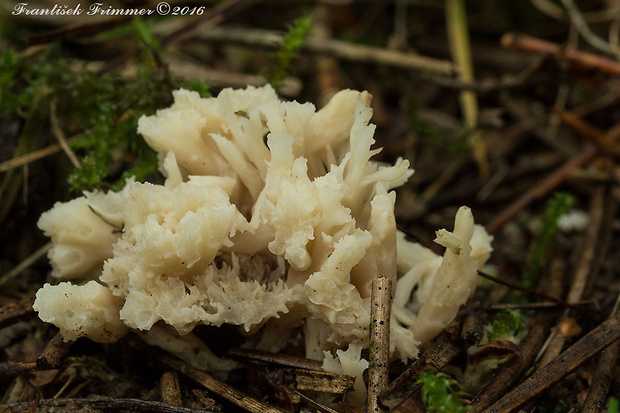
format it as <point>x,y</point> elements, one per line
<point>510,108</point>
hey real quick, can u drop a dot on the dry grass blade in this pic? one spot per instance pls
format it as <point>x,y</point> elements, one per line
<point>34,257</point>
<point>274,358</point>
<point>60,136</point>
<point>461,51</point>
<point>320,407</point>
<point>35,123</point>
<point>29,157</point>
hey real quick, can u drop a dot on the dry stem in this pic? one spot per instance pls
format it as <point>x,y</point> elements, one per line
<point>337,48</point>
<point>378,377</point>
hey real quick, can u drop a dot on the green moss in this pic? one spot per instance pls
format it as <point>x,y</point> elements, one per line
<point>507,325</point>
<point>289,50</point>
<point>440,394</point>
<point>558,205</point>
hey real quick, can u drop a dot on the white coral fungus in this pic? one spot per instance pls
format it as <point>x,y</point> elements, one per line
<point>272,215</point>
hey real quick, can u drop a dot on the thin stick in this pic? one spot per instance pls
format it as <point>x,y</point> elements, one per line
<point>548,184</point>
<point>223,390</point>
<point>531,306</point>
<point>580,23</point>
<point>214,16</point>
<point>536,294</point>
<point>54,353</point>
<point>19,310</point>
<point>597,394</point>
<point>537,46</point>
<point>112,404</point>
<point>589,345</point>
<point>320,407</point>
<point>274,358</point>
<point>33,156</point>
<point>378,373</point>
<point>435,358</point>
<point>16,368</point>
<point>337,48</point>
<point>473,328</point>
<point>328,74</point>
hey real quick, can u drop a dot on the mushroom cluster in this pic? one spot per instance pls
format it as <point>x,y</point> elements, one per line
<point>273,217</point>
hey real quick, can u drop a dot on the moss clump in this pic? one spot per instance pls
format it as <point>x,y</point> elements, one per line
<point>440,395</point>
<point>289,50</point>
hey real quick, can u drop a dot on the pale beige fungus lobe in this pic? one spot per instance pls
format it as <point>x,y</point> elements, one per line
<point>272,212</point>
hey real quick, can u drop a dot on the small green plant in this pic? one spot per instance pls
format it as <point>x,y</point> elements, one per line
<point>440,395</point>
<point>507,325</point>
<point>289,50</point>
<point>558,205</point>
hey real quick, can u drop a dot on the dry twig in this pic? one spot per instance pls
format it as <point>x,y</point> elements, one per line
<point>223,390</point>
<point>564,364</point>
<point>378,373</point>
<point>603,376</point>
<point>274,358</point>
<point>539,190</point>
<point>435,358</point>
<point>14,312</point>
<point>537,46</point>
<point>107,404</point>
<point>54,353</point>
<point>515,367</point>
<point>337,48</point>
